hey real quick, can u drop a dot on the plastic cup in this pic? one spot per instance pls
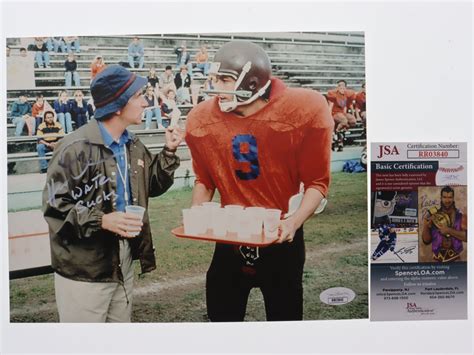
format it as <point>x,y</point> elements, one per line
<point>257,215</point>
<point>244,226</point>
<point>189,228</point>
<point>219,224</point>
<point>209,206</point>
<point>199,219</point>
<point>271,222</point>
<point>233,217</point>
<point>136,210</point>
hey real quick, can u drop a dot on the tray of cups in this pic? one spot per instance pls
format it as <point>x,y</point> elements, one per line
<point>233,224</point>
<point>253,240</point>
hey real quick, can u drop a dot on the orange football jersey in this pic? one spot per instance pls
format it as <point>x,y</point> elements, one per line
<point>340,101</point>
<point>360,100</point>
<point>261,159</point>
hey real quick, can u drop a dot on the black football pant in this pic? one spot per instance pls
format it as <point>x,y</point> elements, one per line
<point>278,272</point>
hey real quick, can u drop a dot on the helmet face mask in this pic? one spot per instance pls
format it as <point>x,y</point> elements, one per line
<point>249,66</point>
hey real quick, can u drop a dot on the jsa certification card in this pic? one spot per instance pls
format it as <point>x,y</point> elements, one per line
<point>418,241</point>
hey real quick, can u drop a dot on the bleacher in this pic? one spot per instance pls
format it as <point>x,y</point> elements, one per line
<point>312,60</point>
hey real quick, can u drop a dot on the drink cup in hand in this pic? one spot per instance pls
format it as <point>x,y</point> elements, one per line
<point>135,210</point>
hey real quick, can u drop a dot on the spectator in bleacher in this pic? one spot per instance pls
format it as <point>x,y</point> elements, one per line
<point>170,109</point>
<point>153,109</point>
<point>47,133</point>
<point>72,42</point>
<point>63,111</point>
<point>97,65</point>
<point>360,105</point>
<point>80,112</point>
<point>21,115</point>
<point>183,57</point>
<point>55,44</point>
<point>71,71</point>
<point>90,108</point>
<point>207,86</point>
<point>340,100</point>
<point>23,52</point>
<point>41,55</point>
<point>202,60</point>
<point>182,80</point>
<point>7,51</point>
<point>153,78</point>
<point>166,81</point>
<point>136,53</point>
<point>38,109</point>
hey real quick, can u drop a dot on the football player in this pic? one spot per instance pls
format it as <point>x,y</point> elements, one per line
<point>360,105</point>
<point>254,142</point>
<point>340,102</point>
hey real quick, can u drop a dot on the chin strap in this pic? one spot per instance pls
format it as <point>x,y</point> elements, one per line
<point>258,94</point>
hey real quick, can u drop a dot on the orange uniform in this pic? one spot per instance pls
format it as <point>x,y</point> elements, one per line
<point>261,159</point>
<point>360,101</point>
<point>340,101</point>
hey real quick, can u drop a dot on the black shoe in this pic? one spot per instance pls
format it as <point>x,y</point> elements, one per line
<point>340,149</point>
<point>44,171</point>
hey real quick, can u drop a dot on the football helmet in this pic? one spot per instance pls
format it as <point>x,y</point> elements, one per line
<point>250,67</point>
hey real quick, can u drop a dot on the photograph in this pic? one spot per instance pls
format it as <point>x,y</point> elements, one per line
<point>443,220</point>
<point>394,227</point>
<point>204,176</point>
<point>167,177</point>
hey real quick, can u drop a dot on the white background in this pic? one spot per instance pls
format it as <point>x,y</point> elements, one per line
<point>419,84</point>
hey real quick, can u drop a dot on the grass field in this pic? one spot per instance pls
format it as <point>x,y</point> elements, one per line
<point>336,256</point>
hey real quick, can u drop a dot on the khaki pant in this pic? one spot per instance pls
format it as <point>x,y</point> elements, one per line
<point>97,302</point>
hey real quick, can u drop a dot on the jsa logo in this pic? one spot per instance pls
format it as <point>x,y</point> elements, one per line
<point>387,150</point>
<point>411,305</point>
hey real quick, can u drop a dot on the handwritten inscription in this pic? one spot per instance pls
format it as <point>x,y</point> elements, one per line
<point>91,203</point>
<point>76,158</point>
<point>95,182</point>
<point>55,188</point>
<point>427,202</point>
<point>406,250</point>
<point>80,193</point>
